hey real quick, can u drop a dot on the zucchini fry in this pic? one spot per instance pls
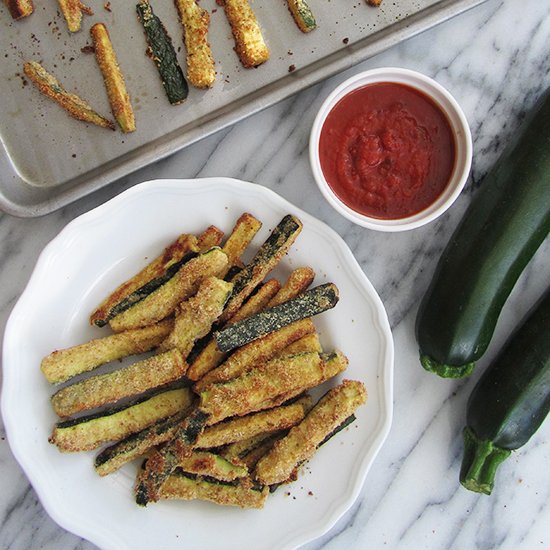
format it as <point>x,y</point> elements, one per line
<point>209,464</point>
<point>126,382</point>
<point>74,105</point>
<point>163,301</point>
<point>137,444</point>
<point>200,63</point>
<point>163,54</point>
<point>195,317</point>
<point>112,76</point>
<point>244,427</point>
<point>163,461</point>
<point>249,41</point>
<point>308,343</point>
<point>268,256</point>
<point>302,14</point>
<point>160,270</point>
<point>181,487</point>
<point>19,8</point>
<point>256,352</point>
<point>257,388</point>
<point>297,282</point>
<point>63,364</point>
<point>240,237</point>
<point>209,238</point>
<point>307,304</point>
<point>72,11</point>
<point>303,440</point>
<point>210,356</point>
<point>90,432</point>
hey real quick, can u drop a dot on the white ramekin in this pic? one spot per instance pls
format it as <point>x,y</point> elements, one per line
<point>459,126</point>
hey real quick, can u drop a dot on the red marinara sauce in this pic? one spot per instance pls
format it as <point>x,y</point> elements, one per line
<point>387,150</point>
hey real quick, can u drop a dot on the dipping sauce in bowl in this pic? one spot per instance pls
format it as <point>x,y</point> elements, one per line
<point>390,149</point>
<point>387,150</point>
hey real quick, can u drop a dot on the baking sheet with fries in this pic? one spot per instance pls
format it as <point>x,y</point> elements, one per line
<point>40,175</point>
<point>353,321</point>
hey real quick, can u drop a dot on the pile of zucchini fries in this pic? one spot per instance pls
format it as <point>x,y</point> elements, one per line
<point>250,47</point>
<point>219,408</point>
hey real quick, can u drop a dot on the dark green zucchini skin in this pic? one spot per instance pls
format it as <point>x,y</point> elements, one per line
<point>510,401</point>
<point>163,54</point>
<point>508,219</point>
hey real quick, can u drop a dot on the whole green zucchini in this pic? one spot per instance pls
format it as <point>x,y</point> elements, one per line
<point>505,224</point>
<point>510,401</point>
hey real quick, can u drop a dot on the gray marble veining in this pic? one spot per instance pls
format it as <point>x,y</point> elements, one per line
<point>495,60</point>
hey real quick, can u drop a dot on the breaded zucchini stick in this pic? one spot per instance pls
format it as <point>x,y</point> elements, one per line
<point>240,237</point>
<point>302,14</point>
<point>249,41</point>
<point>181,487</point>
<point>164,300</point>
<point>72,12</point>
<point>74,105</point>
<point>126,382</point>
<point>267,257</point>
<point>209,464</point>
<point>112,76</point>
<point>156,273</point>
<point>309,303</point>
<point>308,343</point>
<point>210,356</point>
<point>244,427</point>
<point>210,237</point>
<point>200,62</point>
<point>19,8</point>
<point>194,317</point>
<point>161,50</point>
<point>303,439</point>
<point>297,282</point>
<point>137,444</point>
<point>90,432</point>
<point>63,364</point>
<point>255,389</point>
<point>256,352</point>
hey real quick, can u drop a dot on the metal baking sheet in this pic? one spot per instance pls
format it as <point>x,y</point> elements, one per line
<point>49,159</point>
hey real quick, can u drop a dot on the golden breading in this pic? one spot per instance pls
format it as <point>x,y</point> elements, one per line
<point>180,487</point>
<point>210,237</point>
<point>254,390</point>
<point>72,12</point>
<point>19,8</point>
<point>242,234</point>
<point>209,464</point>
<point>210,356</point>
<point>137,444</point>
<point>249,41</point>
<point>200,62</point>
<point>163,301</point>
<point>74,105</point>
<point>132,290</point>
<point>256,352</point>
<point>194,317</point>
<point>302,14</point>
<point>63,364</point>
<point>87,433</point>
<point>119,98</point>
<point>308,343</point>
<point>297,282</point>
<point>237,429</point>
<point>126,382</point>
<point>303,440</point>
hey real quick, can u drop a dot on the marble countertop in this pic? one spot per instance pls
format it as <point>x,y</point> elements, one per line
<point>495,60</point>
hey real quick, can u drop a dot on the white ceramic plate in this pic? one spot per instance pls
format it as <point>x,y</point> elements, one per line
<point>89,258</point>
